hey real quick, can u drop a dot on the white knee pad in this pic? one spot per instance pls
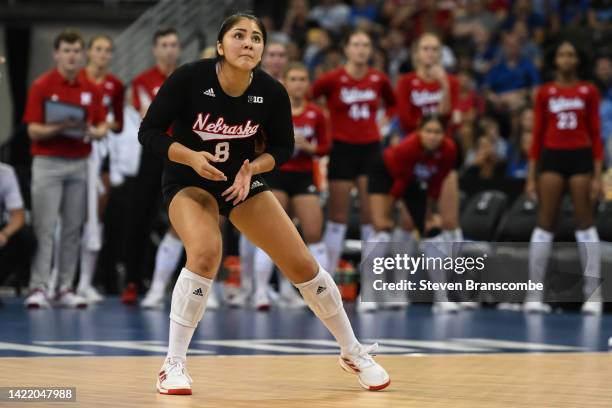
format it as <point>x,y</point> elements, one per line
<point>189,298</point>
<point>321,294</point>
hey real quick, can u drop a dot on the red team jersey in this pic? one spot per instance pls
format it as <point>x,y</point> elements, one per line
<point>112,91</point>
<point>353,103</point>
<point>313,126</point>
<point>145,87</point>
<point>416,98</point>
<point>408,162</point>
<point>54,87</point>
<point>567,118</point>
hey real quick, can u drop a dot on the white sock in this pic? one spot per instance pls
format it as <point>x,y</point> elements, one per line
<point>89,260</point>
<point>247,259</point>
<point>179,339</point>
<point>366,230</point>
<point>540,246</point>
<point>334,240</point>
<point>337,321</point>
<point>377,246</point>
<point>319,251</point>
<point>590,258</point>
<point>262,268</point>
<point>167,258</point>
<point>188,307</point>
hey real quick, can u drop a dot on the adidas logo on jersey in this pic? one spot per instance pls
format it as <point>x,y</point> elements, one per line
<point>209,92</point>
<point>198,292</point>
<point>256,184</point>
<point>321,289</point>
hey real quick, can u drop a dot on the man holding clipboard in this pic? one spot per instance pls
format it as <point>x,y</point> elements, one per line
<point>63,115</point>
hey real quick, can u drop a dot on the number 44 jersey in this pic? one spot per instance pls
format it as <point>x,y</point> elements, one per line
<point>567,118</point>
<point>353,103</point>
<point>204,118</point>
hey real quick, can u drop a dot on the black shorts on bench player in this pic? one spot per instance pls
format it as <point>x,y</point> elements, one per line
<point>218,107</point>
<point>413,171</point>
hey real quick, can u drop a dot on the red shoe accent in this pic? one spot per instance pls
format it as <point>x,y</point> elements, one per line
<point>181,391</point>
<point>379,387</point>
<point>130,294</point>
<point>263,308</point>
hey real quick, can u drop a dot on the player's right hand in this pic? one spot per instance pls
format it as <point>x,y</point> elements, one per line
<point>201,163</point>
<point>530,189</point>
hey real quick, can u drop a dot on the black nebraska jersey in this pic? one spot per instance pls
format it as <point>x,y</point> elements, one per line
<point>204,118</point>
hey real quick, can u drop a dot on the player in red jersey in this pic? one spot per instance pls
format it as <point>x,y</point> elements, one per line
<point>293,183</point>
<point>99,55</point>
<point>412,171</point>
<point>566,149</point>
<point>428,90</point>
<point>353,95</point>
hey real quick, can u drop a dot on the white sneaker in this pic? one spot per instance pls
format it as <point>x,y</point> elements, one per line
<point>592,308</point>
<point>292,300</point>
<point>37,299</point>
<point>469,305</point>
<point>238,300</point>
<point>213,302</point>
<point>154,299</point>
<point>370,374</point>
<point>365,307</point>
<point>90,294</point>
<point>536,307</point>
<point>69,299</point>
<point>512,307</point>
<point>261,301</point>
<point>446,307</point>
<point>173,378</point>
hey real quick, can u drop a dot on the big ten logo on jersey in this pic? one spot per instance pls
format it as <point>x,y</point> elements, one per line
<point>358,101</point>
<point>255,99</point>
<point>565,109</point>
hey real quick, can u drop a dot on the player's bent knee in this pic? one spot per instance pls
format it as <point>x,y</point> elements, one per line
<point>321,294</point>
<point>204,260</point>
<point>189,298</point>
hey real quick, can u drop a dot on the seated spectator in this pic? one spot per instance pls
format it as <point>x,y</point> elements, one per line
<point>474,14</point>
<point>318,41</point>
<point>518,156</point>
<point>16,242</point>
<point>485,53</point>
<point>523,11</point>
<point>489,129</point>
<point>333,15</point>
<point>603,75</point>
<point>470,102</point>
<point>363,11</point>
<point>297,22</point>
<point>509,83</point>
<point>529,49</point>
<point>486,165</point>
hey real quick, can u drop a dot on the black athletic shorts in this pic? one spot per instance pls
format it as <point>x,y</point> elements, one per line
<point>568,163</point>
<point>291,182</point>
<point>176,177</point>
<point>414,197</point>
<point>347,161</point>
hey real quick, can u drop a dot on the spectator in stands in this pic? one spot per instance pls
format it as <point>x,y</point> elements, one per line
<point>486,163</point>
<point>16,242</point>
<point>510,82</point>
<point>523,11</point>
<point>317,43</point>
<point>529,49</point>
<point>485,52</point>
<point>603,80</point>
<point>599,15</point>
<point>488,128</point>
<point>363,12</point>
<point>470,103</point>
<point>474,14</point>
<point>333,15</point>
<point>567,14</point>
<point>518,156</point>
<point>59,166</point>
<point>297,22</point>
<point>275,59</point>
<point>397,52</point>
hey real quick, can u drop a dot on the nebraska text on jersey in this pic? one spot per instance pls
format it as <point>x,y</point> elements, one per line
<point>352,95</point>
<point>560,104</point>
<point>425,97</point>
<point>220,130</point>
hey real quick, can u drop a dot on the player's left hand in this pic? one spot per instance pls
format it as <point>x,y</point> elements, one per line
<point>242,184</point>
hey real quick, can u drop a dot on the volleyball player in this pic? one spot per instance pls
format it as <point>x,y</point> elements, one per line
<point>412,171</point>
<point>218,108</point>
<point>353,94</point>
<point>99,55</point>
<point>566,150</point>
<point>293,183</point>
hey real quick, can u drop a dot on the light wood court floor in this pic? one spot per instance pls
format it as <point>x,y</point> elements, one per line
<point>501,380</point>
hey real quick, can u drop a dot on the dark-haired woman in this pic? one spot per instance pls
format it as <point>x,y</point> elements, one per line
<point>218,108</point>
<point>566,150</point>
<point>353,94</point>
<point>99,55</point>
<point>413,171</point>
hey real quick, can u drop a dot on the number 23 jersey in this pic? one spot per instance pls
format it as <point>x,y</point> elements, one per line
<point>567,118</point>
<point>204,118</point>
